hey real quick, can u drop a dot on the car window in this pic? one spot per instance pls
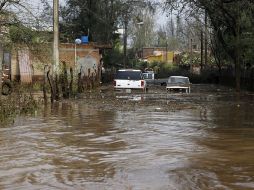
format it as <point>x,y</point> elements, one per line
<point>129,75</point>
<point>145,75</point>
<point>148,76</point>
<point>178,80</point>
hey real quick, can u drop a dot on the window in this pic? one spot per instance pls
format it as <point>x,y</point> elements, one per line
<point>128,75</point>
<point>148,76</point>
<point>178,80</point>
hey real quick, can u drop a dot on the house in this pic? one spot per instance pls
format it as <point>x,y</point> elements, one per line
<point>28,63</point>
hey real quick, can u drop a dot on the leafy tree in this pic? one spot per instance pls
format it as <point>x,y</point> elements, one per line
<point>85,17</point>
<point>142,30</point>
<point>162,37</point>
<point>99,20</point>
<point>232,25</point>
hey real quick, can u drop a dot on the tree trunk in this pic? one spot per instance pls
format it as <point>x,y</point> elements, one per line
<point>202,51</point>
<point>1,68</point>
<point>252,79</point>
<point>90,11</point>
<point>237,73</point>
<point>191,52</point>
<point>125,42</point>
<point>237,55</point>
<point>206,40</point>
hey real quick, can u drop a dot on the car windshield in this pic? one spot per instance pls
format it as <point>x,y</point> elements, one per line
<point>148,76</point>
<point>129,75</point>
<point>178,80</point>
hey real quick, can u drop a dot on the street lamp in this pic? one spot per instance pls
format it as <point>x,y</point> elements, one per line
<point>77,41</point>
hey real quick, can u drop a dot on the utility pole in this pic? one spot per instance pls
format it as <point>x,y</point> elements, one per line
<point>191,51</point>
<point>55,64</point>
<point>56,37</point>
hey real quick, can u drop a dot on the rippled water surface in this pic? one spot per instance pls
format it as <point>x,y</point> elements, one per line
<point>73,146</point>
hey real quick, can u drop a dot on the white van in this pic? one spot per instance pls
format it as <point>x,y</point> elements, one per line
<point>129,79</point>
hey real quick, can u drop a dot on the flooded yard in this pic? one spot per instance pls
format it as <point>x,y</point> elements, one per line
<point>203,140</point>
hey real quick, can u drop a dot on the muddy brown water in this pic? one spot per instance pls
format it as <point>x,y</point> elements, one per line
<point>207,144</point>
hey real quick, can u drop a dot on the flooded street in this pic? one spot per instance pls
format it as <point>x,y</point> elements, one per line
<point>205,142</point>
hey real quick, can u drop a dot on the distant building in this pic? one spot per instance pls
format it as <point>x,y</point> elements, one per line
<point>156,54</point>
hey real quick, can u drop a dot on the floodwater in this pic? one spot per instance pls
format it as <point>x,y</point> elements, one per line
<point>73,145</point>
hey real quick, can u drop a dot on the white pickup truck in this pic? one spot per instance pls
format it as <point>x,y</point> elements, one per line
<point>129,79</point>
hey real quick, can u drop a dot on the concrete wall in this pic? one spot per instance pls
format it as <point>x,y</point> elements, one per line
<point>87,60</point>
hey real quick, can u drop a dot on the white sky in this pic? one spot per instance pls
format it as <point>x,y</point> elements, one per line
<point>160,18</point>
<point>37,3</point>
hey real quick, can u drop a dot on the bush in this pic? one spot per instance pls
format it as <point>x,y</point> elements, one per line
<point>17,103</point>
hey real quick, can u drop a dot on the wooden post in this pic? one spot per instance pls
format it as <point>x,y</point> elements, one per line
<point>1,68</point>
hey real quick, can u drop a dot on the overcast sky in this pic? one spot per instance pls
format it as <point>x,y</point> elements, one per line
<point>36,5</point>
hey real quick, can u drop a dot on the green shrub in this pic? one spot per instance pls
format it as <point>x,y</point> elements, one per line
<point>17,103</point>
